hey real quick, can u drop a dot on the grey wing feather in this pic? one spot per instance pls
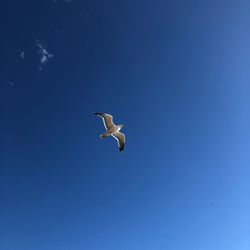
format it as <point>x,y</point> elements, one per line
<point>107,120</point>
<point>120,137</point>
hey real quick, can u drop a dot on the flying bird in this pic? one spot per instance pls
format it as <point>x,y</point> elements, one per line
<point>112,129</point>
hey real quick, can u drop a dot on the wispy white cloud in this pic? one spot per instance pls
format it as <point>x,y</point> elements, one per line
<point>11,83</point>
<point>44,54</point>
<point>22,54</point>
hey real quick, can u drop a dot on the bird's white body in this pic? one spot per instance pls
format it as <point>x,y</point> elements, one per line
<point>111,131</point>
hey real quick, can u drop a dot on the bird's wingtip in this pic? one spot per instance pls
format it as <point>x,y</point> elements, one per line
<point>121,149</point>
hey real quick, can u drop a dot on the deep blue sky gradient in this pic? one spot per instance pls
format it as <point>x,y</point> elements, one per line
<point>176,74</point>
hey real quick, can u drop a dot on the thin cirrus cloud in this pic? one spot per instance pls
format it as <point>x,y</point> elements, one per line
<point>22,55</point>
<point>43,52</point>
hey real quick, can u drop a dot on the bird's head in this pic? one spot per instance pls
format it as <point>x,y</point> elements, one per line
<point>120,126</point>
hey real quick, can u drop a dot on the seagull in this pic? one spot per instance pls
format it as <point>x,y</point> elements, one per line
<point>112,129</point>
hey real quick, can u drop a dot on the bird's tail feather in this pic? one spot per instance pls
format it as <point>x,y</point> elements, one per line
<point>103,136</point>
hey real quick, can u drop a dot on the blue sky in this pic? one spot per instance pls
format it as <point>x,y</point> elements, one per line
<point>176,74</point>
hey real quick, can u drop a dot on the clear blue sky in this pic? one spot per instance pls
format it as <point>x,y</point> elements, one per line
<point>176,74</point>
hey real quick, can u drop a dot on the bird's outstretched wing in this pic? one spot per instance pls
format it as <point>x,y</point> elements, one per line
<point>107,120</point>
<point>120,137</point>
